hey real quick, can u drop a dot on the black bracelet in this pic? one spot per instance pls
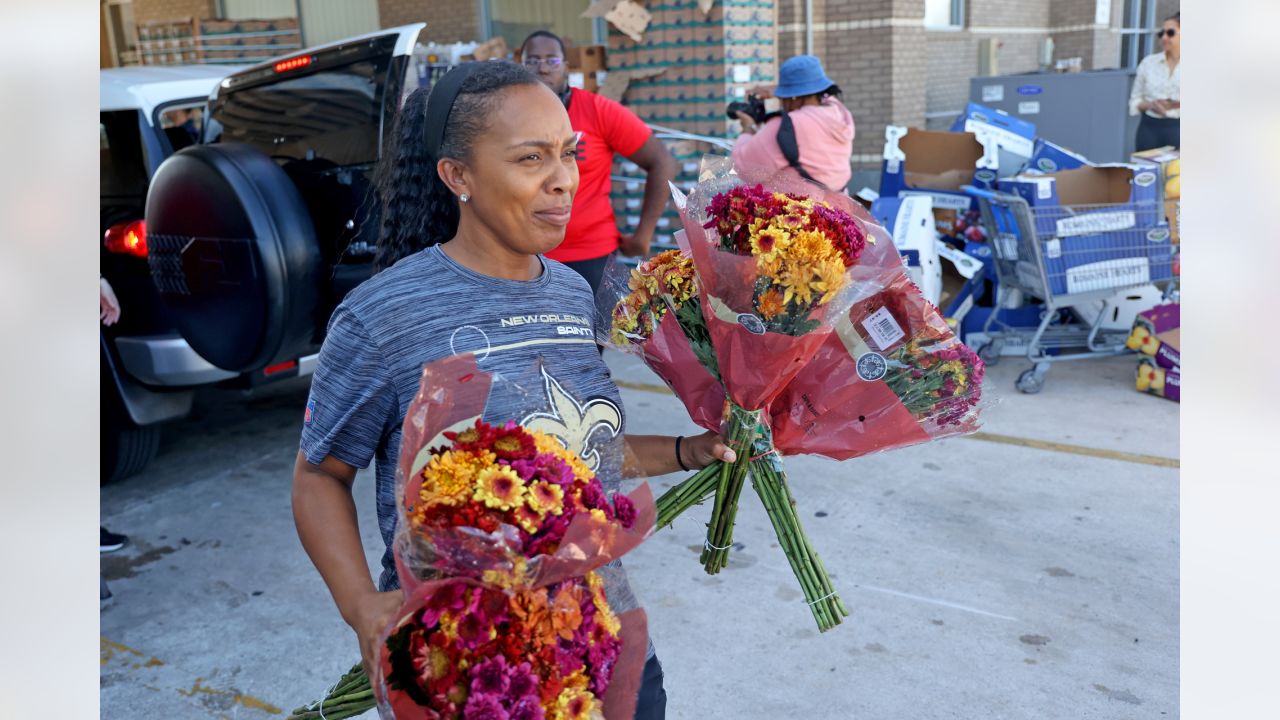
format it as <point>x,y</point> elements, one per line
<point>679,459</point>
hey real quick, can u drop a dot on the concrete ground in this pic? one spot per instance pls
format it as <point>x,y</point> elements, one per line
<point>1029,573</point>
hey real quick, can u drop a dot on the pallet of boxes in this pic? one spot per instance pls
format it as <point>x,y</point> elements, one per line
<point>1156,337</point>
<point>1156,332</point>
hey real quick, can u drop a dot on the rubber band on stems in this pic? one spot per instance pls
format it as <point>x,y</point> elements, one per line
<point>767,453</point>
<point>327,693</point>
<point>707,544</point>
<point>824,597</point>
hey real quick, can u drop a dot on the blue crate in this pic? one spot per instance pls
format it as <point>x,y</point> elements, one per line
<point>1088,263</point>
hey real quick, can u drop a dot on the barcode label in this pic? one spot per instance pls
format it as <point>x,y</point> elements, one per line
<point>882,328</point>
<point>1096,223</point>
<point>1108,274</point>
<point>942,201</point>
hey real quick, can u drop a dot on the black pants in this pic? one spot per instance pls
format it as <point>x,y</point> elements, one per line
<point>652,703</point>
<point>592,270</point>
<point>1157,132</point>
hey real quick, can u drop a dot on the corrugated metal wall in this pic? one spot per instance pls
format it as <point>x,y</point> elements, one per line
<point>322,20</point>
<point>515,19</point>
<point>328,20</point>
<point>258,9</point>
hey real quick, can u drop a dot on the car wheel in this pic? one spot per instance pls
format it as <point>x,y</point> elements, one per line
<point>234,256</point>
<point>126,451</point>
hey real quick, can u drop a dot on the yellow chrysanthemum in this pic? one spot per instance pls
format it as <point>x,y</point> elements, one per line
<point>811,246</point>
<point>604,614</point>
<point>545,498</point>
<point>528,518</point>
<point>449,477</point>
<point>576,680</point>
<point>546,443</point>
<point>498,486</point>
<point>831,275</point>
<point>449,625</point>
<point>795,279</point>
<point>574,703</point>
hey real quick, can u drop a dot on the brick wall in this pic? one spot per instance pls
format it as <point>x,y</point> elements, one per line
<point>447,20</point>
<point>953,55</point>
<point>148,10</point>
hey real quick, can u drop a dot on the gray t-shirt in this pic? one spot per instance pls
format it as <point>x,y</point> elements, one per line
<point>536,334</point>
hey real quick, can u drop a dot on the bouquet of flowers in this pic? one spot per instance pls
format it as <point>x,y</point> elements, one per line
<point>787,327</point>
<point>500,532</point>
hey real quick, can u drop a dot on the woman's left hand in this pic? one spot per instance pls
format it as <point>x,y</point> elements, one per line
<point>700,451</point>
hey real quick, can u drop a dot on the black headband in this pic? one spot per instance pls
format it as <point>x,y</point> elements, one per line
<point>440,104</point>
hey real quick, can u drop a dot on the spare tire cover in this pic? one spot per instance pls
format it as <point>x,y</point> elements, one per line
<point>233,254</point>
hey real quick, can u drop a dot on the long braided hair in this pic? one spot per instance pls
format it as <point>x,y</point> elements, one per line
<point>418,210</point>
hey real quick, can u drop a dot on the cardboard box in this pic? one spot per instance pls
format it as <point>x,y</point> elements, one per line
<point>1013,139</point>
<point>1157,335</point>
<point>1169,164</point>
<point>1090,200</point>
<point>910,221</point>
<point>937,164</point>
<point>1161,382</point>
<point>1048,157</point>
<point>587,59</point>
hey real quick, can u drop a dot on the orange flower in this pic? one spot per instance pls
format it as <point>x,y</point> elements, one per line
<point>533,610</point>
<point>770,304</point>
<point>566,612</point>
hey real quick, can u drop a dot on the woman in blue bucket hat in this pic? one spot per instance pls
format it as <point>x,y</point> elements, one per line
<point>812,137</point>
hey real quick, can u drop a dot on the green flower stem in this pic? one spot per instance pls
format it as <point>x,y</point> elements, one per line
<point>770,483</point>
<point>337,712</point>
<point>691,491</point>
<point>352,696</point>
<point>743,428</point>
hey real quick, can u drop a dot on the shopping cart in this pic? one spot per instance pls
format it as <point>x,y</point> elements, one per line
<point>1069,256</point>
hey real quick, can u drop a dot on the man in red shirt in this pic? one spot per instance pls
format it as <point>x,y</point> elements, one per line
<point>607,128</point>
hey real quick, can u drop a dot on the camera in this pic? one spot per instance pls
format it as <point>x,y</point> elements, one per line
<point>752,106</point>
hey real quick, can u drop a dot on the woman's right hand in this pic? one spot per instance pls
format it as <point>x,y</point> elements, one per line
<point>375,612</point>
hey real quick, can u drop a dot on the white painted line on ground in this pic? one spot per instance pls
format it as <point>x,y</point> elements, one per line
<point>932,601</point>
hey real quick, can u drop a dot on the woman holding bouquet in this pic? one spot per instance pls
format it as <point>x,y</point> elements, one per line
<point>476,187</point>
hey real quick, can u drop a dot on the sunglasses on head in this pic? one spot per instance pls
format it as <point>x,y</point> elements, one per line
<point>1170,32</point>
<point>552,61</point>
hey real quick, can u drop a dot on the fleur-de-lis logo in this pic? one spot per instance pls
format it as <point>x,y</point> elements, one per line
<point>574,424</point>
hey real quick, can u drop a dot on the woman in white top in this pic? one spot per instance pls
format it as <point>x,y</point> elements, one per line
<point>1156,92</point>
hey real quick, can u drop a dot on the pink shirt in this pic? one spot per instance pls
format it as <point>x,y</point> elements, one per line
<point>824,134</point>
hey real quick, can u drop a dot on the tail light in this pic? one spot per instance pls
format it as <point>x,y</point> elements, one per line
<point>281,367</point>
<point>127,238</point>
<point>293,63</point>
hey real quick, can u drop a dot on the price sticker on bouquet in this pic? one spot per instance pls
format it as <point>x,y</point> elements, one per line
<point>883,329</point>
<point>872,366</point>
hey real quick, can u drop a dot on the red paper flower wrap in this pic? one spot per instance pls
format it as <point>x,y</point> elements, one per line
<point>505,613</point>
